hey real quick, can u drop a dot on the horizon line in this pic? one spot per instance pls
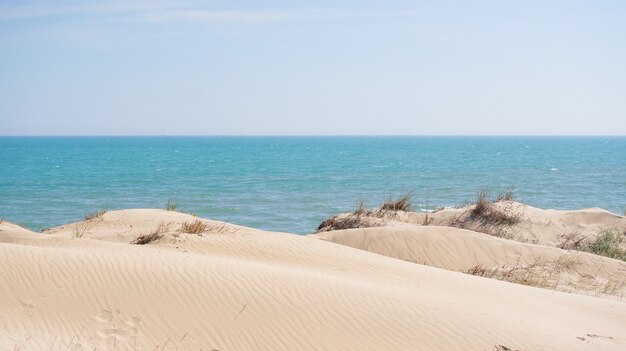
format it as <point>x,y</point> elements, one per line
<point>301,135</point>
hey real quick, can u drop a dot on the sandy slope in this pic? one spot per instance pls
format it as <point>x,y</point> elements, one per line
<point>461,250</point>
<point>237,288</point>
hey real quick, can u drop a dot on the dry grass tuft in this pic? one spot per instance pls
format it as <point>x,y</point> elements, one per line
<point>613,286</point>
<point>556,275</point>
<point>93,215</point>
<point>485,211</point>
<point>540,273</point>
<point>360,208</point>
<point>81,228</point>
<point>195,227</point>
<point>507,194</point>
<point>153,236</point>
<point>403,203</point>
<point>496,216</point>
<point>91,220</point>
<point>482,204</point>
<point>571,241</point>
<point>427,219</point>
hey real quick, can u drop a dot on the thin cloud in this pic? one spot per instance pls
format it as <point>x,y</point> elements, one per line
<point>201,15</point>
<point>45,10</point>
<point>164,12</point>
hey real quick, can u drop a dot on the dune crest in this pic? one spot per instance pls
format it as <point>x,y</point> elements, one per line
<point>520,222</point>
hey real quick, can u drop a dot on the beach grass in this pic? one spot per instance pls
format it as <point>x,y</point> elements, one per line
<point>195,227</point>
<point>361,209</point>
<point>485,211</point>
<point>402,203</point>
<point>493,215</point>
<point>171,204</point>
<point>93,215</point>
<point>539,273</point>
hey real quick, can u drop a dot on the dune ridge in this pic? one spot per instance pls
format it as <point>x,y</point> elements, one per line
<point>533,225</point>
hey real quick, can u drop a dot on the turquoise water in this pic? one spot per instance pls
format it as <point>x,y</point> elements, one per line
<point>292,183</point>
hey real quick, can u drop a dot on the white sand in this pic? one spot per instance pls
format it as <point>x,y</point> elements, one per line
<point>236,288</point>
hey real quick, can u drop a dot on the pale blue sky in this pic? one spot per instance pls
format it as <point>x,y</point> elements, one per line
<point>316,67</point>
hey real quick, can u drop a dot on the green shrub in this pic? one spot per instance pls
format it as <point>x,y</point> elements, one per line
<point>608,243</point>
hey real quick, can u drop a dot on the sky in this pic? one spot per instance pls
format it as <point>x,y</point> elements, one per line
<point>313,68</point>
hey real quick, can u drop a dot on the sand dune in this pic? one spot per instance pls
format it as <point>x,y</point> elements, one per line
<point>462,250</point>
<point>84,286</point>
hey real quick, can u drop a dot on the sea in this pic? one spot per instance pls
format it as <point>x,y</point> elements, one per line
<point>291,184</point>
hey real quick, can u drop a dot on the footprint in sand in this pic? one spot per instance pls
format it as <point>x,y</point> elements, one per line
<point>115,328</point>
<point>27,307</point>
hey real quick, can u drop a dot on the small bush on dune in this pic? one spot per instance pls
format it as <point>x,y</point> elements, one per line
<point>403,203</point>
<point>150,237</point>
<point>147,238</point>
<point>484,210</point>
<point>340,223</point>
<point>195,227</point>
<point>487,216</point>
<point>484,204</point>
